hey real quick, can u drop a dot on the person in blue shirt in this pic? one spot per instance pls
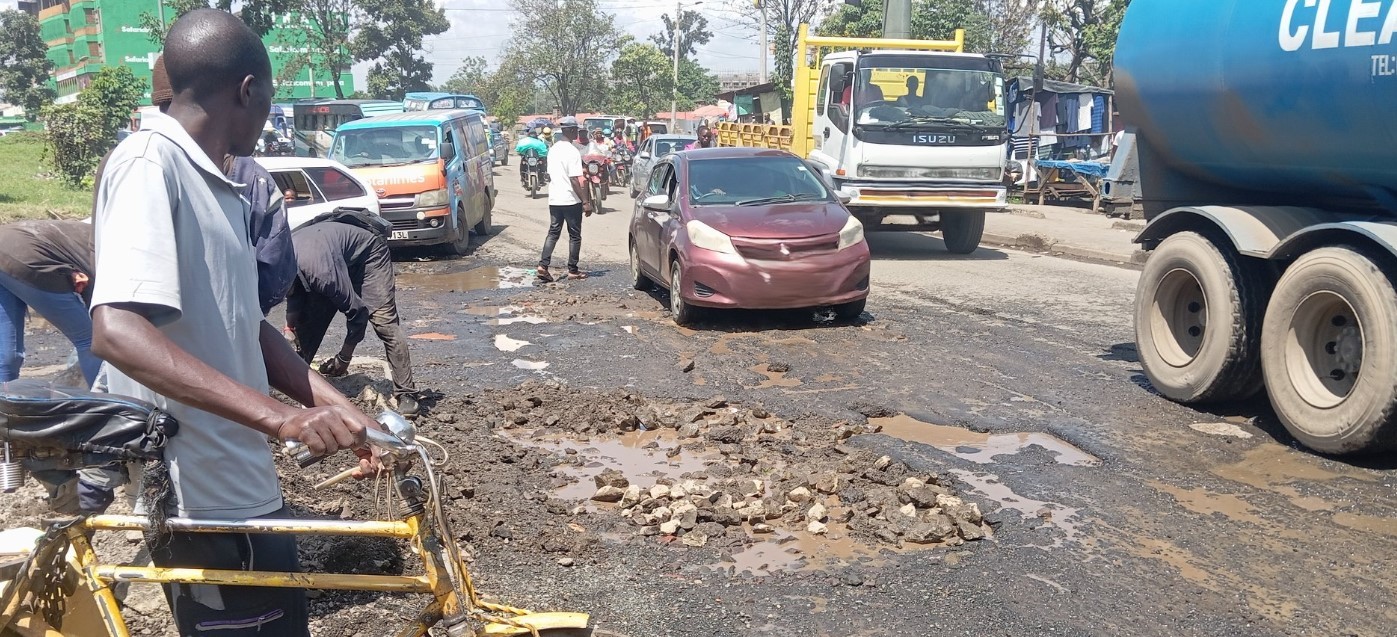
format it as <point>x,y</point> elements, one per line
<point>530,143</point>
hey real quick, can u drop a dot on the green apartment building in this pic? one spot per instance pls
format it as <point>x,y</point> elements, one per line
<point>83,36</point>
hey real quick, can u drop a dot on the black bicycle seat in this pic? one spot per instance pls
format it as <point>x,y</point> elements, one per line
<point>38,416</point>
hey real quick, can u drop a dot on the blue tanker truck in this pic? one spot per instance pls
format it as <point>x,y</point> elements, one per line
<point>1266,140</point>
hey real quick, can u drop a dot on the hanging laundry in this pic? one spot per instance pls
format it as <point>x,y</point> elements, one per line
<point>1066,113</point>
<point>1098,114</point>
<point>1084,111</point>
<point>1047,119</point>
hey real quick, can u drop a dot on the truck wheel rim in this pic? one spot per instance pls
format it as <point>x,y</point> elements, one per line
<point>1179,318</point>
<point>1324,349</point>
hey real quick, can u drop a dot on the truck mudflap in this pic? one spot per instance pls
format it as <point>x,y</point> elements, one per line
<point>991,197</point>
<point>1273,232</point>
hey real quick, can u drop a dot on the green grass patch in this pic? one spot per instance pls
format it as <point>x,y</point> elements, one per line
<point>29,189</point>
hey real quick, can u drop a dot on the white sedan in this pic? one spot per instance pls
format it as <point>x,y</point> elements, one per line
<point>315,186</point>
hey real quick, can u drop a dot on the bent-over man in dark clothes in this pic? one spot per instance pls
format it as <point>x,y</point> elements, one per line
<point>346,268</point>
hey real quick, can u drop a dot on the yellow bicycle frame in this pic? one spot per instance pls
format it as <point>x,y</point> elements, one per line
<point>440,556</point>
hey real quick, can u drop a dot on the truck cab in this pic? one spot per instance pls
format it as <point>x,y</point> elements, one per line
<point>912,132</point>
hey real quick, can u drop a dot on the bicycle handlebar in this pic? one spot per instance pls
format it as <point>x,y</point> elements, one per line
<point>376,438</point>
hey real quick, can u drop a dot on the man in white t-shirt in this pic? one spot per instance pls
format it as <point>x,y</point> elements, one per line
<point>567,200</point>
<point>176,315</point>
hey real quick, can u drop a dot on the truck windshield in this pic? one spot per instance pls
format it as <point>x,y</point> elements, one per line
<point>928,98</point>
<point>385,146</point>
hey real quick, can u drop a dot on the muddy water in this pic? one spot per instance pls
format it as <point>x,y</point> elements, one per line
<point>1063,517</point>
<point>977,447</point>
<point>483,278</point>
<point>532,366</point>
<point>783,551</point>
<point>505,315</point>
<point>507,344</point>
<point>627,454</point>
<point>1205,502</point>
<point>1274,468</point>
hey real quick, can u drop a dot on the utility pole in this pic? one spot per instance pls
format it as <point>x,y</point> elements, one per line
<point>762,73</point>
<point>674,87</point>
<point>897,19</point>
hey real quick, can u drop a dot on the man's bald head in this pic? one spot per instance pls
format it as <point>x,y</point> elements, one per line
<point>209,52</point>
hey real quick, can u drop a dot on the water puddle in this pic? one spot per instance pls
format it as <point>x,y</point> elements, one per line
<point>774,379</point>
<point>433,336</point>
<point>507,344</point>
<point>1062,517</point>
<point>533,366</point>
<point>1277,469</point>
<point>505,315</point>
<point>786,551</point>
<point>981,448</point>
<point>482,278</point>
<point>628,454</point>
<point>1205,502</point>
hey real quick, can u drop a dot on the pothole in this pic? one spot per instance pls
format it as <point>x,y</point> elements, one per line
<point>483,278</point>
<point>981,448</point>
<point>505,315</point>
<point>1062,517</point>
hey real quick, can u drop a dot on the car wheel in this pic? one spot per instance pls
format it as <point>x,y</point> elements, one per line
<point>461,243</point>
<point>638,279</point>
<point>850,311</point>
<point>684,314</point>
<point>484,227</point>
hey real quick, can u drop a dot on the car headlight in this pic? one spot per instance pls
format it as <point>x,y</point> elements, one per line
<point>593,168</point>
<point>852,234</point>
<point>995,173</point>
<point>704,236</point>
<point>430,198</point>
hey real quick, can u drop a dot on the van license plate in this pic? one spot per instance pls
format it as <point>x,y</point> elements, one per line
<point>399,234</point>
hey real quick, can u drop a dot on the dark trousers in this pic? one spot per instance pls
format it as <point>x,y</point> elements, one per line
<point>234,611</point>
<point>572,216</point>
<point>312,315</point>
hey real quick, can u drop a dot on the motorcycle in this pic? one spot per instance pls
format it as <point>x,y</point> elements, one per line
<point>533,167</point>
<point>595,168</point>
<point>621,174</point>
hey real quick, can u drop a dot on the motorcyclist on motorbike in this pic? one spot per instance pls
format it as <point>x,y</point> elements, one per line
<point>600,145</point>
<point>547,135</point>
<point>530,143</point>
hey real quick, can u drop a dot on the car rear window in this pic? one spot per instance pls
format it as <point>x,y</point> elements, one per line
<point>731,180</point>
<point>335,184</point>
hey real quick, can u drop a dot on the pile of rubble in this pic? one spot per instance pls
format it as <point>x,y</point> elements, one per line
<point>766,474</point>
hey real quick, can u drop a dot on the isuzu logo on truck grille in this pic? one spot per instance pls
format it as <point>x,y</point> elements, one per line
<point>933,139</point>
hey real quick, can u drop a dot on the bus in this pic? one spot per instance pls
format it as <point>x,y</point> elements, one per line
<point>316,121</point>
<point>429,101</point>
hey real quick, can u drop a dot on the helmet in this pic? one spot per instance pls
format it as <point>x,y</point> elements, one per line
<point>547,130</point>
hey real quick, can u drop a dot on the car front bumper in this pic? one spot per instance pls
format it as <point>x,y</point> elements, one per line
<point>719,280</point>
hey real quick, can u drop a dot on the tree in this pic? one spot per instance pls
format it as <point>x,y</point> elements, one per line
<point>79,133</point>
<point>693,33</point>
<point>1084,31</point>
<point>470,78</point>
<point>565,46</point>
<point>783,18</point>
<point>24,63</point>
<point>259,15</point>
<point>931,20</point>
<point>327,36</point>
<point>641,79</point>
<point>1011,24</point>
<point>697,86</point>
<point>390,33</point>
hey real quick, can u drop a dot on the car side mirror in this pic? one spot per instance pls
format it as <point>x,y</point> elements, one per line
<point>448,150</point>
<point>843,197</point>
<point>656,203</point>
<point>643,155</point>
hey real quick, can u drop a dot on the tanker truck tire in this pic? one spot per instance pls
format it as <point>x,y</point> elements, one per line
<point>1198,321</point>
<point>962,231</point>
<point>1329,352</point>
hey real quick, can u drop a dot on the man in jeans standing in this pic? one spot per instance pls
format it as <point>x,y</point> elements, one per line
<point>567,200</point>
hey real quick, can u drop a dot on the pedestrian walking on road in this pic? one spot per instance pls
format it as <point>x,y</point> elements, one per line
<point>345,267</point>
<point>567,201</point>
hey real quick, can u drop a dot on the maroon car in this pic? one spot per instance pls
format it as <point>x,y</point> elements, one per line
<point>746,228</point>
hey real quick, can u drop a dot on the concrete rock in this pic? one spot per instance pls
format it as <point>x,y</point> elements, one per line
<point>827,483</point>
<point>908,510</point>
<point>611,478</point>
<point>817,513</point>
<point>937,528</point>
<point>565,561</point>
<point>762,528</point>
<point>695,540</point>
<point>882,463</point>
<point>970,531</point>
<point>609,494</point>
<point>729,434</point>
<point>659,491</point>
<point>669,528</point>
<point>688,519</point>
<point>960,510</point>
<point>689,430</point>
<point>817,528</point>
<point>631,497</point>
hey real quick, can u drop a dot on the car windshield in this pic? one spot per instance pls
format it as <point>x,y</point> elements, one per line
<point>670,146</point>
<point>929,98</point>
<point>744,180</point>
<point>385,146</point>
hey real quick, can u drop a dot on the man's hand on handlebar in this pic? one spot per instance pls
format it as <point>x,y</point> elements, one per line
<point>325,430</point>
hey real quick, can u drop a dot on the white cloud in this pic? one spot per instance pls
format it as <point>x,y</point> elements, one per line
<point>483,27</point>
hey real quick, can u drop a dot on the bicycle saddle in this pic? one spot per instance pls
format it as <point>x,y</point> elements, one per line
<point>75,428</point>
